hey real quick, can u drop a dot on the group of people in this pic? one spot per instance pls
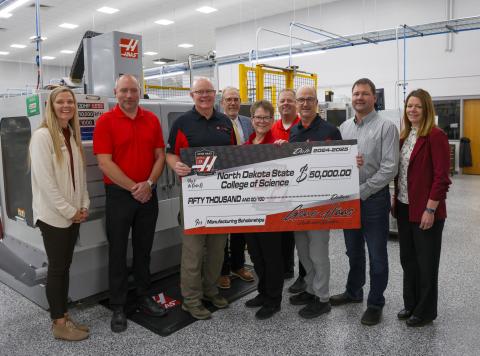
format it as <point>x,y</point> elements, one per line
<point>131,153</point>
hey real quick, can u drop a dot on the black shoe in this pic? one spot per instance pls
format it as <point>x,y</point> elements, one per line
<point>119,321</point>
<point>372,316</point>
<point>404,314</point>
<point>298,286</point>
<point>415,321</point>
<point>343,298</point>
<point>255,302</point>
<point>266,312</point>
<point>303,298</point>
<point>288,275</point>
<point>148,306</point>
<point>314,308</point>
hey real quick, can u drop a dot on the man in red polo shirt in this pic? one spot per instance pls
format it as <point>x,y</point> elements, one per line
<point>128,143</point>
<point>287,107</point>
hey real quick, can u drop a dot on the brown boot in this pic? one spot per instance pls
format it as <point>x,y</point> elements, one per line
<point>68,332</point>
<point>77,325</point>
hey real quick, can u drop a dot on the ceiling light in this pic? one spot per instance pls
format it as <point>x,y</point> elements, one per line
<point>70,26</point>
<point>5,13</point>
<point>164,22</point>
<point>15,45</point>
<point>185,45</point>
<point>107,10</point>
<point>206,9</point>
<point>150,53</point>
<point>158,61</point>
<point>67,51</point>
<point>3,53</point>
<point>34,37</point>
<point>294,55</point>
<point>171,74</point>
<point>48,58</point>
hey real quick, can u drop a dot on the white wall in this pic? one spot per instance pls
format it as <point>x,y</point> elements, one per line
<point>457,72</point>
<point>20,76</point>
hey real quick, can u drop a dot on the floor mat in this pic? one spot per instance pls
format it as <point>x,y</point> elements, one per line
<point>166,291</point>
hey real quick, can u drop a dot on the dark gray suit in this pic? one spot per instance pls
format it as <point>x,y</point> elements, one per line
<point>246,126</point>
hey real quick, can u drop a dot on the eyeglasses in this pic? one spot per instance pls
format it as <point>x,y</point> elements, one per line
<point>308,100</point>
<point>232,100</point>
<point>204,92</point>
<point>263,118</point>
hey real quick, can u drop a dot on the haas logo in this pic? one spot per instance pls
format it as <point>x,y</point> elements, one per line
<point>129,48</point>
<point>204,161</point>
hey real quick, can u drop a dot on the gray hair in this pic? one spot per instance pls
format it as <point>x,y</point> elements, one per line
<point>230,88</point>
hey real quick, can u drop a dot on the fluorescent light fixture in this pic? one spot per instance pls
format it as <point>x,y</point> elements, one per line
<point>294,55</point>
<point>15,45</point>
<point>67,51</point>
<point>6,11</point>
<point>164,22</point>
<point>171,74</point>
<point>33,37</point>
<point>150,53</point>
<point>185,45</point>
<point>206,9</point>
<point>48,58</point>
<point>159,62</point>
<point>107,10</point>
<point>70,26</point>
<point>4,53</point>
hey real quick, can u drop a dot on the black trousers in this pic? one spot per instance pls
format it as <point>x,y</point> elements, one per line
<point>288,251</point>
<point>265,249</point>
<point>59,244</point>
<point>420,259</point>
<point>123,213</point>
<point>234,258</point>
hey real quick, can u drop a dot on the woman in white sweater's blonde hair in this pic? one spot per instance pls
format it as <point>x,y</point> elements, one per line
<point>60,201</point>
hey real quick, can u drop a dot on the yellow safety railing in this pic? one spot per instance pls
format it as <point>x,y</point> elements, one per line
<point>165,92</point>
<point>265,82</point>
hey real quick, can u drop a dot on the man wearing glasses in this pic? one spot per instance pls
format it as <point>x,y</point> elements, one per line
<point>312,246</point>
<point>202,255</point>
<point>234,260</point>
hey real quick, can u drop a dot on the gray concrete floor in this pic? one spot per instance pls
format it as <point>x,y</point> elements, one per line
<point>24,327</point>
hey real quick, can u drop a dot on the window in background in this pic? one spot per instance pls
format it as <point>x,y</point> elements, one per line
<point>448,112</point>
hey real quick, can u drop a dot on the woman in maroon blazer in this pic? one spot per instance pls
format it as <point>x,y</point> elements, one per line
<point>419,205</point>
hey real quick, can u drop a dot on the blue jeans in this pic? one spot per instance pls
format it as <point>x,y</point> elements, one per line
<point>374,231</point>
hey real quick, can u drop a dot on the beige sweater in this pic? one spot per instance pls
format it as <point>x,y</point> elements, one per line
<point>55,201</point>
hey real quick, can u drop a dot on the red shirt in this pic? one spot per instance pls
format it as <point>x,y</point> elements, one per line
<point>269,138</point>
<point>131,142</point>
<point>280,131</point>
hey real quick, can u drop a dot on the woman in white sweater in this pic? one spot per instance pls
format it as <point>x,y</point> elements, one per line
<point>60,201</point>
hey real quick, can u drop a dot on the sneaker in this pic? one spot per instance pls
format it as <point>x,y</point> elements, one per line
<point>314,309</point>
<point>217,300</point>
<point>82,327</point>
<point>343,298</point>
<point>119,321</point>
<point>224,282</point>
<point>148,306</point>
<point>197,311</point>
<point>68,332</point>
<point>372,316</point>
<point>266,312</point>
<point>244,274</point>
<point>298,286</point>
<point>255,302</point>
<point>302,298</point>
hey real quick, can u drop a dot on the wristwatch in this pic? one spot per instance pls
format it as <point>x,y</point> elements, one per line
<point>430,210</point>
<point>151,184</point>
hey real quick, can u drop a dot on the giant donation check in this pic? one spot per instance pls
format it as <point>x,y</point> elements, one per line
<point>252,188</point>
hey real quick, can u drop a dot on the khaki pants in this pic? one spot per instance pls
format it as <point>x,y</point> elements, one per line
<point>202,259</point>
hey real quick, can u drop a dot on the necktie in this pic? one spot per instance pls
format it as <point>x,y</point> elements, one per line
<point>237,134</point>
